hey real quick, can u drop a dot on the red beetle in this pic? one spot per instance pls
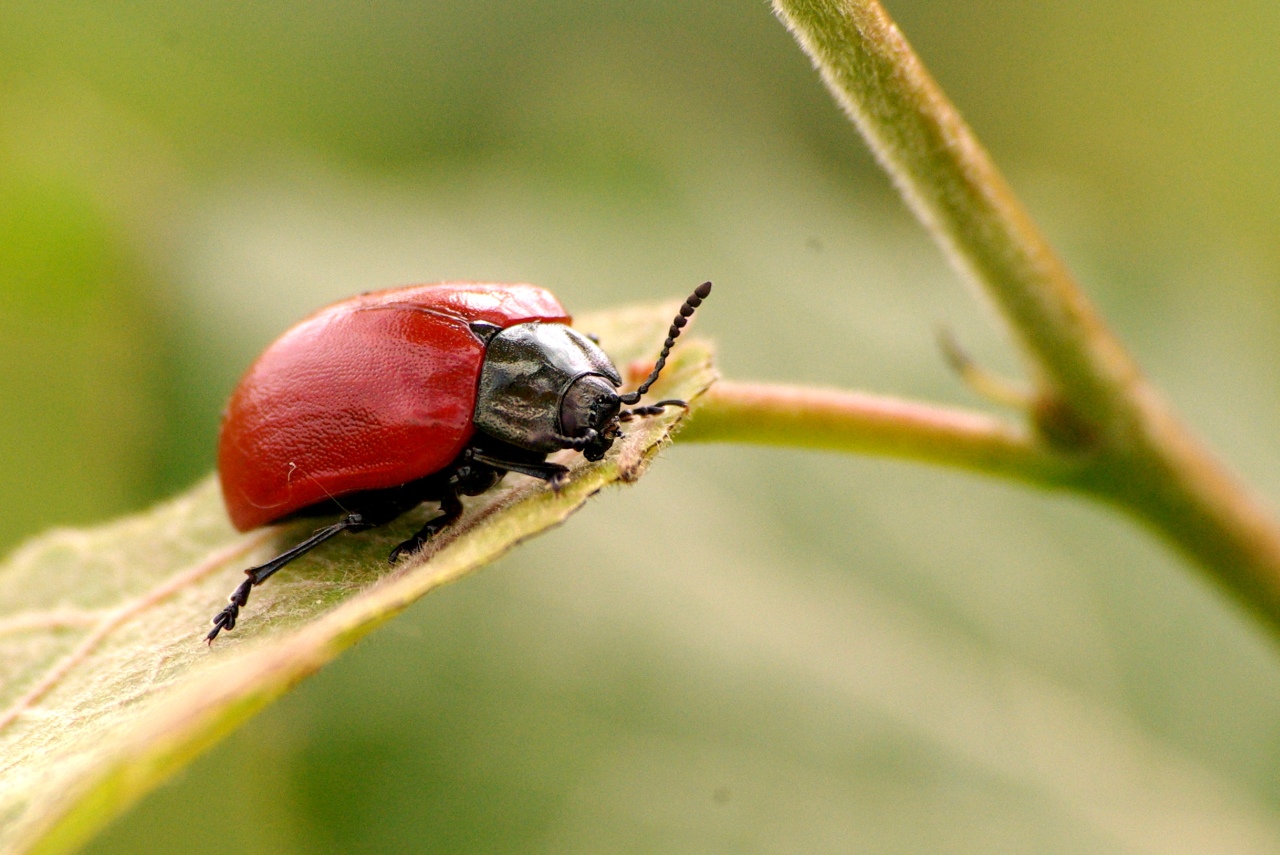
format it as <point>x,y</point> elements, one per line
<point>423,394</point>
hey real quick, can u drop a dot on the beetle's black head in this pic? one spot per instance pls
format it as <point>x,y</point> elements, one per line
<point>546,387</point>
<point>589,410</point>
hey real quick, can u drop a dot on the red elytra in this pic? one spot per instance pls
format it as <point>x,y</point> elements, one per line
<point>368,393</point>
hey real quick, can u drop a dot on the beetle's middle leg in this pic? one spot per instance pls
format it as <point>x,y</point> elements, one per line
<point>450,510</point>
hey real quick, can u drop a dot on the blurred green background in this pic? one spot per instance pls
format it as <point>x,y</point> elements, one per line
<point>753,650</point>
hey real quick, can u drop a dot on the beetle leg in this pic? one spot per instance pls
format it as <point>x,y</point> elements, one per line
<point>553,473</point>
<point>226,619</point>
<point>451,509</point>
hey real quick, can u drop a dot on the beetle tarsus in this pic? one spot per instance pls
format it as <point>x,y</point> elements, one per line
<point>226,619</point>
<point>409,547</point>
<point>450,510</point>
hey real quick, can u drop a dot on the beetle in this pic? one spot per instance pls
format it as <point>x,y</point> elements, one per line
<point>381,402</point>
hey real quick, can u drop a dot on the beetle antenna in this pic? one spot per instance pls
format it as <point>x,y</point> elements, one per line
<point>695,300</point>
<point>651,409</point>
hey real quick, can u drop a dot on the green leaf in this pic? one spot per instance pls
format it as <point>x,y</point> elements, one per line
<point>107,686</point>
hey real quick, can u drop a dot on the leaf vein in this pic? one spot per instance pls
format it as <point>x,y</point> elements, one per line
<point>115,618</point>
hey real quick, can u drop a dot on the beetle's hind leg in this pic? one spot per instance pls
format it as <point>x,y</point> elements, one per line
<point>226,619</point>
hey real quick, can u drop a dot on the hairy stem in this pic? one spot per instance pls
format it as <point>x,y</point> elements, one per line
<point>859,422</point>
<point>1093,405</point>
<point>954,188</point>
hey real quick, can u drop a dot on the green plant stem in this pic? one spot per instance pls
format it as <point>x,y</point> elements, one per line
<point>859,422</point>
<point>1175,486</point>
<point>1184,495</point>
<point>1093,406</point>
<point>954,188</point>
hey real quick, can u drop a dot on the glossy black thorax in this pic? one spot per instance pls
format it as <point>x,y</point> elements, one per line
<point>543,384</point>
